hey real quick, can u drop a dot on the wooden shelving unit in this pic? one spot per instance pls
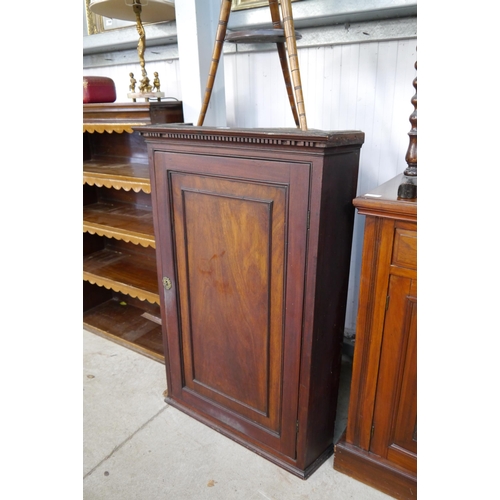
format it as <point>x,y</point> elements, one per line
<point>121,300</point>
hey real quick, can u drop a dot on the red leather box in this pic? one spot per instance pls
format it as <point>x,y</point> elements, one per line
<point>98,89</point>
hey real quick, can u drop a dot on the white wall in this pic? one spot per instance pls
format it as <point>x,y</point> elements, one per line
<point>364,86</point>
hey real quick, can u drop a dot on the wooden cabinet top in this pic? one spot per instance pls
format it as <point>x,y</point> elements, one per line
<point>265,137</point>
<point>122,117</point>
<point>383,202</point>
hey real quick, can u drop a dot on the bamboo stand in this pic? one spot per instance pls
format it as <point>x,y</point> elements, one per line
<point>277,34</point>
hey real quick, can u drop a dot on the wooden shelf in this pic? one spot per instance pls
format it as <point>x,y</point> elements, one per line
<point>121,221</point>
<point>127,325</point>
<point>125,273</point>
<point>117,173</point>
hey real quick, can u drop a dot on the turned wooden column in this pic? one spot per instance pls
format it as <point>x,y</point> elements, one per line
<point>408,188</point>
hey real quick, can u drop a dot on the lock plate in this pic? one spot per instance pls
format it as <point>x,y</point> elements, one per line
<point>167,283</point>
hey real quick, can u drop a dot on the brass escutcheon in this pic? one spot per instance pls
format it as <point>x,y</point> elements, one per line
<point>167,283</point>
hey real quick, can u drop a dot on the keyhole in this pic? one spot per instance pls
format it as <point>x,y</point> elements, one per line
<point>167,283</point>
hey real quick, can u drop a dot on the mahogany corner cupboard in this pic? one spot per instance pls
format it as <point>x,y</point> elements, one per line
<point>379,446</point>
<point>253,230</point>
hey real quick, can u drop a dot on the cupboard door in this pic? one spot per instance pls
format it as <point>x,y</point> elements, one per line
<point>395,416</point>
<point>234,346</point>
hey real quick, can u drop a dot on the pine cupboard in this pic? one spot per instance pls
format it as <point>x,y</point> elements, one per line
<point>253,234</point>
<point>379,447</point>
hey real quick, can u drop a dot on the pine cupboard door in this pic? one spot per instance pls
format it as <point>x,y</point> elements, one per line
<point>233,239</point>
<point>395,412</point>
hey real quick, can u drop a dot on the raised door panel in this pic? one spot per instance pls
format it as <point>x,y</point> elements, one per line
<point>403,446</point>
<point>395,416</point>
<point>230,250</point>
<point>234,346</point>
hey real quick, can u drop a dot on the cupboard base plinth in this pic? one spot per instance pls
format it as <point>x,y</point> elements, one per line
<point>296,471</point>
<point>374,471</point>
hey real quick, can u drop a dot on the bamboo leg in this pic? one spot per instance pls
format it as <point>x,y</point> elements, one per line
<point>291,44</point>
<point>225,10</point>
<point>275,16</point>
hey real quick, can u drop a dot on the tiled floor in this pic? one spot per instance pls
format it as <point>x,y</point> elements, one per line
<point>136,447</point>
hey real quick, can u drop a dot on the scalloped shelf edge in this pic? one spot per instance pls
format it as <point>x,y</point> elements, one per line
<point>144,241</point>
<point>126,186</point>
<point>131,291</point>
<point>110,128</point>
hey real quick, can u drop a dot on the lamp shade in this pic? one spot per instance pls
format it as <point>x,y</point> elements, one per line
<point>153,11</point>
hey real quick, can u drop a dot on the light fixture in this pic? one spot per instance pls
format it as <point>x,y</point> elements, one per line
<point>148,11</point>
